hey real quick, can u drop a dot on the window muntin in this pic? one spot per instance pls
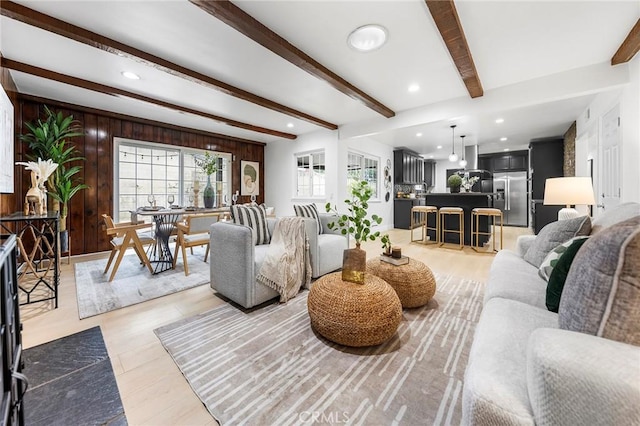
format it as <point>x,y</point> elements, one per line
<point>363,167</point>
<point>310,175</point>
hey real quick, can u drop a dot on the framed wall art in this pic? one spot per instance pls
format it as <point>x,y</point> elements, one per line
<point>6,144</point>
<point>250,178</point>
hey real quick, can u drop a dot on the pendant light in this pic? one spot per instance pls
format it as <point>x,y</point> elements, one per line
<point>463,162</point>
<point>453,157</point>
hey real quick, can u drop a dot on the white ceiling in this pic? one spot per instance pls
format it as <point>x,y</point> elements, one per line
<point>540,64</point>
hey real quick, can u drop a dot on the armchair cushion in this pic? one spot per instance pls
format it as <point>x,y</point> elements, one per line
<point>255,217</point>
<point>601,295</point>
<point>310,211</point>
<point>553,234</point>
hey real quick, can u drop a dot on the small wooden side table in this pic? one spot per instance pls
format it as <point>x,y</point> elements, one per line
<point>413,282</point>
<point>354,314</point>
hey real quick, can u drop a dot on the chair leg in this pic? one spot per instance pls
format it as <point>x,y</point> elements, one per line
<point>206,253</point>
<point>111,255</point>
<point>123,249</point>
<point>176,251</point>
<point>184,260</point>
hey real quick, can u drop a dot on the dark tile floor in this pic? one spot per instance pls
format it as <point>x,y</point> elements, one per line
<point>71,382</point>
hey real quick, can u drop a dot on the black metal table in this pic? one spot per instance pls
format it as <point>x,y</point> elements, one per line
<point>38,241</point>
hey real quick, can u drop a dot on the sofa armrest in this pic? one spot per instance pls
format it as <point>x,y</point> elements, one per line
<point>523,243</point>
<point>576,378</point>
<point>325,220</point>
<point>232,261</point>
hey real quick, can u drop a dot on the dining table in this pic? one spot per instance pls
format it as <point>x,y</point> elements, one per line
<point>165,220</point>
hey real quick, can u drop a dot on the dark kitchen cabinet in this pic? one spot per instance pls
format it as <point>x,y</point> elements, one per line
<point>407,167</point>
<point>546,159</point>
<point>402,211</point>
<point>429,173</point>
<point>511,162</point>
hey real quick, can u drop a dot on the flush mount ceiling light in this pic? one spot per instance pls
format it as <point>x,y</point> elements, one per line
<point>463,162</point>
<point>453,157</point>
<point>499,120</point>
<point>367,38</point>
<point>439,147</point>
<point>413,88</point>
<point>502,139</point>
<point>130,75</point>
<point>418,134</point>
<point>290,125</point>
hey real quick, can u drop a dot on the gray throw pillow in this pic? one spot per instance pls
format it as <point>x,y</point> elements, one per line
<point>555,234</point>
<point>601,295</point>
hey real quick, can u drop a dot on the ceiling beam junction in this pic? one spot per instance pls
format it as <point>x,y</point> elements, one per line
<point>48,23</point>
<point>446,19</point>
<point>241,21</point>
<point>114,91</point>
<point>629,46</point>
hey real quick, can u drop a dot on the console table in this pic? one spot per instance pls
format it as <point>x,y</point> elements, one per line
<point>38,255</point>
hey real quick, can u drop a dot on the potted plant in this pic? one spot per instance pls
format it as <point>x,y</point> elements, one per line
<point>386,245</point>
<point>454,183</point>
<point>49,140</point>
<point>358,225</point>
<point>209,165</point>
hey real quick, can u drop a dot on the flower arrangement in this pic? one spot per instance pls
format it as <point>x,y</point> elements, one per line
<point>208,163</point>
<point>468,182</point>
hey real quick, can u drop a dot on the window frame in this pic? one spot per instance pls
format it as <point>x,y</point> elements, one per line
<point>312,196</point>
<point>183,183</point>
<point>364,157</point>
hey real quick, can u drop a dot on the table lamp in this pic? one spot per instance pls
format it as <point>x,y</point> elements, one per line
<point>568,191</point>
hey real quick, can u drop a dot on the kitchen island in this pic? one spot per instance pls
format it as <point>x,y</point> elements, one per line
<point>468,201</point>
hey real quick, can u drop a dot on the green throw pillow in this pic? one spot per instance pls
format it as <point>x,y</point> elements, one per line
<point>552,258</point>
<point>559,274</point>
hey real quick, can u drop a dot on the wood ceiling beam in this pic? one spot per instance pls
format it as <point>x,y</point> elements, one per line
<point>629,46</point>
<point>114,91</point>
<point>34,18</point>
<point>446,18</point>
<point>241,21</point>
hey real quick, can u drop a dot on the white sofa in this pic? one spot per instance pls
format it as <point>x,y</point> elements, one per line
<point>235,261</point>
<point>523,369</point>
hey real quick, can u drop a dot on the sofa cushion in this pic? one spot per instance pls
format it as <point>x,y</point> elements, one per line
<point>615,215</point>
<point>550,262</point>
<point>602,292</point>
<point>254,217</point>
<point>559,274</point>
<point>495,382</point>
<point>553,234</point>
<point>510,277</point>
<point>310,211</point>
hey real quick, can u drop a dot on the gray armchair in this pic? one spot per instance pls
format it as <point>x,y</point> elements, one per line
<point>235,261</point>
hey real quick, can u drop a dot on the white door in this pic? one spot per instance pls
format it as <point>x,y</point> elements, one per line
<point>610,161</point>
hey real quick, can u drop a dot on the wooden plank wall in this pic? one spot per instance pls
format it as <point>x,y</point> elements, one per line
<point>100,127</point>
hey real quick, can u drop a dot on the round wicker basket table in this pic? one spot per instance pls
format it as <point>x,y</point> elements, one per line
<point>354,314</point>
<point>413,282</point>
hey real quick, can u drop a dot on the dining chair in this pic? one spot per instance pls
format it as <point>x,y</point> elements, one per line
<point>123,236</point>
<point>194,231</point>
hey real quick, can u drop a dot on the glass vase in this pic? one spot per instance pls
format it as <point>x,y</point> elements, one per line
<point>209,194</point>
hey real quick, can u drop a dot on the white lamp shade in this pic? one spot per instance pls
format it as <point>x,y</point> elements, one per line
<point>568,191</point>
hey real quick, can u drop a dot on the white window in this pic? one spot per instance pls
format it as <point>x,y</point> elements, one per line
<point>310,175</point>
<point>144,169</point>
<point>363,167</point>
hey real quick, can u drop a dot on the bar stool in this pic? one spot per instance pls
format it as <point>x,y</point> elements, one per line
<point>475,230</point>
<point>452,211</point>
<point>423,221</point>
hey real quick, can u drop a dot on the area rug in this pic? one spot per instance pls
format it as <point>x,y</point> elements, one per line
<point>71,382</point>
<point>133,283</point>
<point>267,366</point>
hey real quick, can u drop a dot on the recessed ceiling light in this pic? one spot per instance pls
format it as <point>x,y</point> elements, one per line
<point>130,75</point>
<point>367,38</point>
<point>502,139</point>
<point>413,88</point>
<point>439,147</point>
<point>499,120</point>
<point>506,149</point>
<point>431,156</point>
<point>418,134</point>
<point>290,125</point>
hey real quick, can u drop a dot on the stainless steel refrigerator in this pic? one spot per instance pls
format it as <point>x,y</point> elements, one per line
<point>512,197</point>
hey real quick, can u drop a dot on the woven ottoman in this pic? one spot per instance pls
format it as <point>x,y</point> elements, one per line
<point>413,282</point>
<point>354,314</point>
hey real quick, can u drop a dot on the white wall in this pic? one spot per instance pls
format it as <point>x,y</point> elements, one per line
<point>280,177</point>
<point>588,133</point>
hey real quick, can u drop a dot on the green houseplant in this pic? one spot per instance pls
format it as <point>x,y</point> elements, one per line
<point>48,139</point>
<point>209,165</point>
<point>454,182</point>
<point>357,224</point>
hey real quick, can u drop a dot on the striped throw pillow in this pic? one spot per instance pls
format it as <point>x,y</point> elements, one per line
<point>310,211</point>
<point>255,218</point>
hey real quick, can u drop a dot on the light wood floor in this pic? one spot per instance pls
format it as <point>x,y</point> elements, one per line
<point>153,390</point>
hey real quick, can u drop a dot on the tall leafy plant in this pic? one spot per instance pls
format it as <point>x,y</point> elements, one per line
<point>48,139</point>
<point>356,223</point>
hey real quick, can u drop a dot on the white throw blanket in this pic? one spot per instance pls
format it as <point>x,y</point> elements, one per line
<point>287,265</point>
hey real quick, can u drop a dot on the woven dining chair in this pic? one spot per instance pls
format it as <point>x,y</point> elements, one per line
<point>126,235</point>
<point>194,231</point>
